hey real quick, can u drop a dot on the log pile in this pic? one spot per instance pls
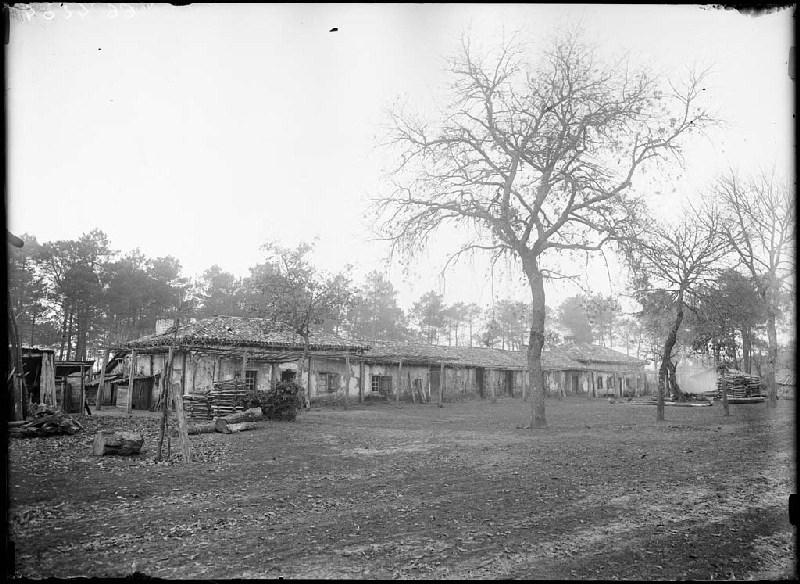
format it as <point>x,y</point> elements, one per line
<point>197,406</point>
<point>45,422</point>
<point>226,396</point>
<point>739,385</point>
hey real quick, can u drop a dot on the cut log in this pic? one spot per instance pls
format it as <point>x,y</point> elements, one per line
<point>115,442</point>
<point>242,426</point>
<point>221,426</point>
<point>246,416</point>
<point>206,428</point>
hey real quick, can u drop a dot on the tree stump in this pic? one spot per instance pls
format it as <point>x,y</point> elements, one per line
<point>118,443</point>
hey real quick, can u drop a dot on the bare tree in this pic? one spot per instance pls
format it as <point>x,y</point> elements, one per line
<point>289,290</point>
<point>678,260</point>
<point>760,215</point>
<point>532,161</point>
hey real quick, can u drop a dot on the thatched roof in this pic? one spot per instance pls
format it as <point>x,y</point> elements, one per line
<point>238,331</point>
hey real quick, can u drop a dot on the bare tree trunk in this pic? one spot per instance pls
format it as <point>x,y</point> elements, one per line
<point>666,361</point>
<point>772,357</point>
<point>536,342</point>
<point>101,383</point>
<point>746,349</point>
<point>69,333</point>
<point>63,333</point>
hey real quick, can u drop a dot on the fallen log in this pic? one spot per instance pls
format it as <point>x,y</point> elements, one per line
<point>204,428</point>
<point>243,426</point>
<point>250,415</point>
<point>116,442</point>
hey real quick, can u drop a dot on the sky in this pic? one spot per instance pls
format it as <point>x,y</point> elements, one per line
<point>203,132</point>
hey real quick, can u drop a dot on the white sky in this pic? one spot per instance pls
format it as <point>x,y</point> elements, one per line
<point>203,131</point>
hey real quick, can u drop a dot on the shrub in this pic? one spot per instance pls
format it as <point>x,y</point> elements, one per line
<point>283,401</point>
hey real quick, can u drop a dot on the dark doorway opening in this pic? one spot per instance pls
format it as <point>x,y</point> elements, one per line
<point>480,380</point>
<point>288,375</point>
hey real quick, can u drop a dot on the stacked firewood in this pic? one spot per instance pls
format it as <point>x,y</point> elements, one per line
<point>227,397</point>
<point>197,406</point>
<point>45,422</point>
<point>739,385</point>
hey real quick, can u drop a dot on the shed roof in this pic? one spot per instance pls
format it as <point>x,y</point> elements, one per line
<point>391,352</point>
<point>590,353</point>
<point>239,331</point>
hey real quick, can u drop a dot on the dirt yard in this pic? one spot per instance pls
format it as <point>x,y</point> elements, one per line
<point>415,491</point>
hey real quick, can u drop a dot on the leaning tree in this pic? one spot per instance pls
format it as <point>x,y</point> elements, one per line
<point>678,260</point>
<point>760,223</point>
<point>533,160</point>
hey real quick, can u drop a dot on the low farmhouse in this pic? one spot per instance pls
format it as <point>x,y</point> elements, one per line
<point>606,371</point>
<point>256,351</point>
<point>405,369</point>
<point>259,352</point>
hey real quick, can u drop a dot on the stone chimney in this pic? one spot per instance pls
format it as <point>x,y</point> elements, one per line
<point>162,324</point>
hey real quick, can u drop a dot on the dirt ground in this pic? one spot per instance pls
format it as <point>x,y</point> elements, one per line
<point>415,491</point>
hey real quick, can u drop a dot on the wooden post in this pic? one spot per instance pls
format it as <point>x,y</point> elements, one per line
<point>83,389</point>
<point>273,375</point>
<point>186,447</point>
<point>244,368</point>
<point>399,381</point>
<point>308,383</point>
<point>346,379</point>
<point>102,383</point>
<point>525,378</point>
<point>64,394</point>
<point>410,388</point>
<point>494,391</point>
<point>165,383</point>
<point>194,372</point>
<point>130,384</point>
<point>361,380</point>
<point>725,406</point>
<point>428,386</point>
<point>183,372</point>
<point>441,384</point>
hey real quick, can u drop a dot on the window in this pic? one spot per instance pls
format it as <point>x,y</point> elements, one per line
<point>250,380</point>
<point>328,382</point>
<point>382,384</point>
